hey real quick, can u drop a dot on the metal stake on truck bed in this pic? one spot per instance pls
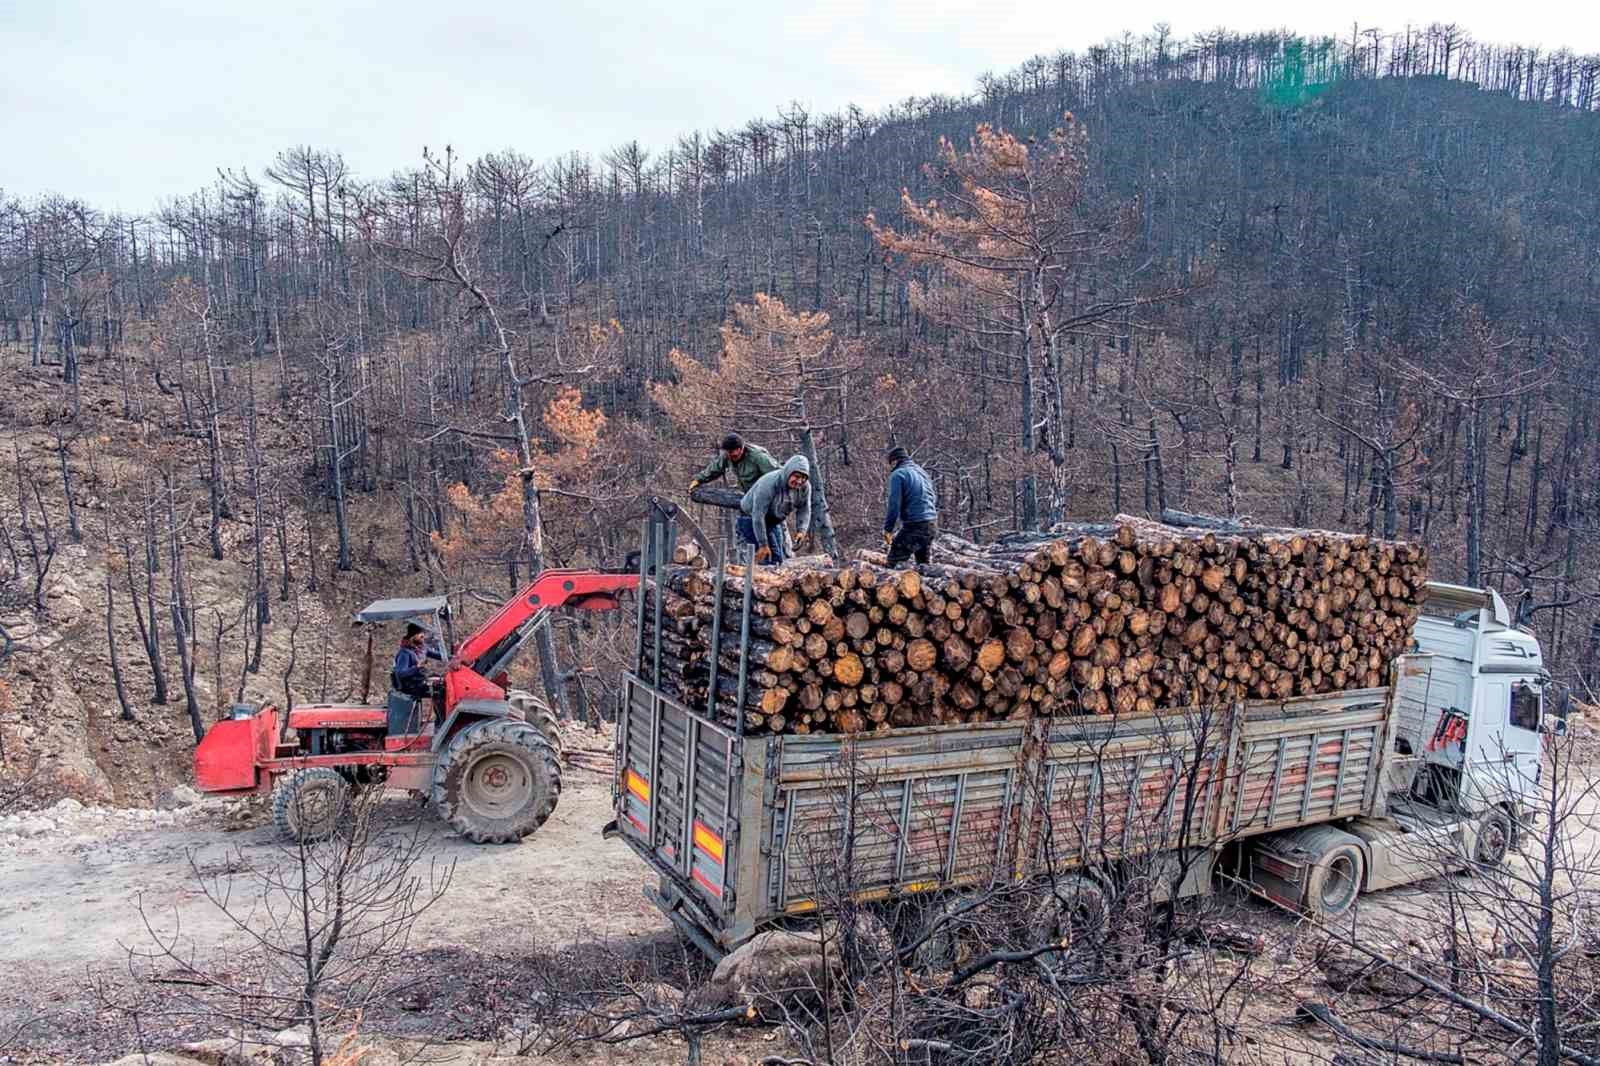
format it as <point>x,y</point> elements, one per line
<point>716,629</point>
<point>748,555</point>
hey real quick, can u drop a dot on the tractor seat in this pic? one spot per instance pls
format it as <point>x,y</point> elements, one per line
<point>372,718</point>
<point>401,715</point>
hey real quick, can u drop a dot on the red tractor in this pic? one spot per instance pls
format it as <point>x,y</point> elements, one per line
<point>486,754</point>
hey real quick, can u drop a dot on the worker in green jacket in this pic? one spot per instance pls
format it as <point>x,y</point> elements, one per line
<point>747,461</point>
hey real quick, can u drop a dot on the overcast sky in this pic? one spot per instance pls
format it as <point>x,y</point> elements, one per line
<point>126,102</point>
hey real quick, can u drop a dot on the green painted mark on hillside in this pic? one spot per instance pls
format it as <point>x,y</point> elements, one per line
<point>1306,71</point>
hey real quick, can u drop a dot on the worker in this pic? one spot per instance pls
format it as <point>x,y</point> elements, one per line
<point>747,461</point>
<point>770,501</point>
<point>913,506</point>
<point>409,675</point>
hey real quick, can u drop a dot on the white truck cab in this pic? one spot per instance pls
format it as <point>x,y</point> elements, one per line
<point>1462,766</point>
<point>1465,761</point>
<point>1471,703</point>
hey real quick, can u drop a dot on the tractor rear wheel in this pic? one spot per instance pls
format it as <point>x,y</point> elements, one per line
<point>310,805</point>
<point>497,781</point>
<point>537,713</point>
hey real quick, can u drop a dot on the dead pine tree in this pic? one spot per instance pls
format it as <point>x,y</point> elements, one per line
<point>257,459</point>
<point>111,631</point>
<point>64,439</point>
<point>1389,428</point>
<point>181,612</point>
<point>147,616</point>
<point>337,400</point>
<point>1018,259</point>
<point>1478,378</point>
<point>325,926</point>
<point>446,256</point>
<point>195,304</point>
<point>220,631</point>
<point>1199,403</point>
<point>281,533</point>
<point>290,663</point>
<point>40,538</point>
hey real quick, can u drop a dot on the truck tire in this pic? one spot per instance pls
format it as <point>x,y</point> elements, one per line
<point>1336,871</point>
<point>537,713</point>
<point>311,805</point>
<point>939,950</point>
<point>497,781</point>
<point>1494,839</point>
<point>866,943</point>
<point>1073,912</point>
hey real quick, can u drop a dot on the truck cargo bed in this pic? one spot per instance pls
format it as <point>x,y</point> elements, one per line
<point>744,831</point>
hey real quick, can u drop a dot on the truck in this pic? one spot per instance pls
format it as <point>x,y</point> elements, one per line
<point>1310,800</point>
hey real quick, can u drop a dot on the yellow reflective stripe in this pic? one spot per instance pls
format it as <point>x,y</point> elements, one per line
<point>707,841</point>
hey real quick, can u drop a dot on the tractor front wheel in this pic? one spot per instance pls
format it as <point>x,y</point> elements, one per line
<point>497,781</point>
<point>310,805</point>
<point>537,713</point>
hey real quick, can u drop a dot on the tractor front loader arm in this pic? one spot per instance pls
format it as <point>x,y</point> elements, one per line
<point>494,644</point>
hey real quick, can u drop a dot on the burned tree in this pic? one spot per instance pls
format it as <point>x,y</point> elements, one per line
<point>1015,255</point>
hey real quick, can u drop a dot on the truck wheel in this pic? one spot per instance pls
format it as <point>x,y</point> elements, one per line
<point>1075,912</point>
<point>309,805</point>
<point>1494,838</point>
<point>1336,873</point>
<point>497,781</point>
<point>866,942</point>
<point>537,713</point>
<point>940,949</point>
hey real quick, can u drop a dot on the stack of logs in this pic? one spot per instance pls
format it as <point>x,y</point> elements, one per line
<point>1119,619</point>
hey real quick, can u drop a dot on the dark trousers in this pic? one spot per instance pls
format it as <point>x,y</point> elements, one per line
<point>913,539</point>
<point>415,686</point>
<point>747,535</point>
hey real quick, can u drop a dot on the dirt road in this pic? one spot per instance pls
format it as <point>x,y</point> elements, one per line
<point>78,895</point>
<point>83,888</point>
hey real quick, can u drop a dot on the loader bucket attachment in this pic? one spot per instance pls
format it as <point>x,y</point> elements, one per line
<point>230,755</point>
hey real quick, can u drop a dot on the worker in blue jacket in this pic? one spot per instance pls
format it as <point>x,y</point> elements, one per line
<point>409,676</point>
<point>913,506</point>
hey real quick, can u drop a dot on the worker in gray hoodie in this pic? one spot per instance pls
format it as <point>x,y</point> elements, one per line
<point>772,499</point>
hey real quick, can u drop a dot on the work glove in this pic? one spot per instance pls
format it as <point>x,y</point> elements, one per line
<point>888,539</point>
<point>694,483</point>
<point>803,541</point>
<point>763,554</point>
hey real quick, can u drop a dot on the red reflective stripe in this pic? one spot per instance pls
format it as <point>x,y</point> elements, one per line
<point>710,887</point>
<point>636,823</point>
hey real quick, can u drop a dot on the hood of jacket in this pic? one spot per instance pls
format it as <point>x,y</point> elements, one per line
<point>797,464</point>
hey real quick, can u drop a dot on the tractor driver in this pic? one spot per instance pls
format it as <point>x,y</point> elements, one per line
<point>409,675</point>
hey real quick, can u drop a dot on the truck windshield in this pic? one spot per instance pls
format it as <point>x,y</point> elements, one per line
<point>1524,707</point>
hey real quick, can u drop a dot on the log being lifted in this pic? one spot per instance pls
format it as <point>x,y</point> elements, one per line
<point>1115,618</point>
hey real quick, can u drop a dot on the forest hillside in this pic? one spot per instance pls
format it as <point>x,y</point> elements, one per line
<point>1349,284</point>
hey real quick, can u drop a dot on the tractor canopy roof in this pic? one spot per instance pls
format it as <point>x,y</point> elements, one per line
<point>390,610</point>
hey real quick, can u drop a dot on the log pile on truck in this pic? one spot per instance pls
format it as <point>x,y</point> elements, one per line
<point>1123,618</point>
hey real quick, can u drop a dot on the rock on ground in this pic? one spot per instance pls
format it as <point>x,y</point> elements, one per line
<point>178,797</point>
<point>778,963</point>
